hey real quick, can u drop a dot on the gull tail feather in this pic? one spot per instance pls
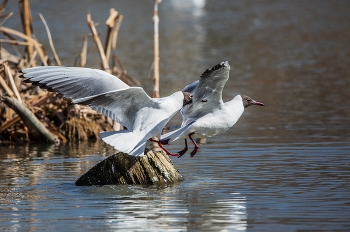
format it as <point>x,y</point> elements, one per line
<point>182,132</point>
<point>125,141</point>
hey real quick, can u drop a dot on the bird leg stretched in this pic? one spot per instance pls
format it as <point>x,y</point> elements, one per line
<point>183,151</point>
<point>195,144</point>
<point>178,154</point>
<point>161,146</point>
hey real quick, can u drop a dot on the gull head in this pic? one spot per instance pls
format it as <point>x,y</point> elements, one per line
<point>247,101</point>
<point>187,98</point>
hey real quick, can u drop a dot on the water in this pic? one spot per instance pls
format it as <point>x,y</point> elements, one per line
<point>249,186</point>
<point>282,167</point>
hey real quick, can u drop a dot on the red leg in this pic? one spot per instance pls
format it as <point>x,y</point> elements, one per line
<point>195,145</point>
<point>166,150</point>
<point>183,151</point>
<point>164,141</point>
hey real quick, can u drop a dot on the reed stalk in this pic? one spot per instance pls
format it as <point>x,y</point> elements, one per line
<point>110,22</point>
<point>12,82</point>
<point>156,50</point>
<point>26,24</point>
<point>105,65</point>
<point>34,43</point>
<point>50,40</point>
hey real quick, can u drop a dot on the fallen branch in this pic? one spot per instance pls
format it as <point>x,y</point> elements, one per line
<point>30,120</point>
<point>33,102</point>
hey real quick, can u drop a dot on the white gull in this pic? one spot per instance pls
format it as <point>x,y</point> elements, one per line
<point>208,115</point>
<point>143,116</point>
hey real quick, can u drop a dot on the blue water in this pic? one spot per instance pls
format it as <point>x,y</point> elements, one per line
<point>230,187</point>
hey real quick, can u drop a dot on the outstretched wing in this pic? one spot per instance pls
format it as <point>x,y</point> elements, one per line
<point>130,107</point>
<point>73,82</point>
<point>207,92</point>
<point>211,84</point>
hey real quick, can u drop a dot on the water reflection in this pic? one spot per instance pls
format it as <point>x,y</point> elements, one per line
<point>195,7</point>
<point>160,209</point>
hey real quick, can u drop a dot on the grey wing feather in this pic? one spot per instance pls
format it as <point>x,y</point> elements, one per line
<point>73,82</point>
<point>207,94</point>
<point>211,84</point>
<point>123,106</point>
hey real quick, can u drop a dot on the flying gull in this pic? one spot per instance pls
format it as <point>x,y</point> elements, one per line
<point>208,115</point>
<point>143,116</point>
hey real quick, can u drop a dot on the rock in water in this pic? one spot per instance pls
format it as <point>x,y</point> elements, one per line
<point>152,168</point>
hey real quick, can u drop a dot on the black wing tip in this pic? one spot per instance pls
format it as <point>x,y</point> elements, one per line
<point>220,65</point>
<point>26,80</point>
<point>41,85</point>
<point>21,72</point>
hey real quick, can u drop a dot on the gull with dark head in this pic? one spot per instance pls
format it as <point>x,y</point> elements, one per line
<point>143,116</point>
<point>208,115</point>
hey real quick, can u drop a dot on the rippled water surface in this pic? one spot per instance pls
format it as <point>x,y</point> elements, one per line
<point>282,167</point>
<point>239,186</point>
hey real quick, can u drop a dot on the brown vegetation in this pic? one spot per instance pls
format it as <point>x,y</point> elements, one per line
<point>54,115</point>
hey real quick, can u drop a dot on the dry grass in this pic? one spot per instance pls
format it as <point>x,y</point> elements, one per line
<point>65,121</point>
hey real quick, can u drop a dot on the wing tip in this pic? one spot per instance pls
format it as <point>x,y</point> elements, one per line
<point>220,65</point>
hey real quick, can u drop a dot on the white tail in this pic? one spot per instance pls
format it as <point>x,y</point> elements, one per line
<point>125,141</point>
<point>176,134</point>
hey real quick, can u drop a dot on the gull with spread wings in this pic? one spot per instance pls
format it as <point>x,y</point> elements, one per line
<point>208,115</point>
<point>144,117</point>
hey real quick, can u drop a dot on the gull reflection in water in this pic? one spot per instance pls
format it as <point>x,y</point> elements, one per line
<point>162,211</point>
<point>224,214</point>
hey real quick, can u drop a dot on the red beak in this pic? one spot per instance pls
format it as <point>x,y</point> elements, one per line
<point>257,103</point>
